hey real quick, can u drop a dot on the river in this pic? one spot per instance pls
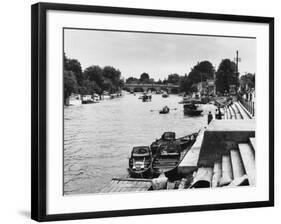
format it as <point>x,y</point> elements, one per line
<point>98,138</point>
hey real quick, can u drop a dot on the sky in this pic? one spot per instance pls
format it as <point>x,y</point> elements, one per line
<point>156,54</point>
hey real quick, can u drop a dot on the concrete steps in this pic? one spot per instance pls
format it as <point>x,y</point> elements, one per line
<point>236,111</point>
<point>253,143</point>
<point>237,168</point>
<point>248,157</point>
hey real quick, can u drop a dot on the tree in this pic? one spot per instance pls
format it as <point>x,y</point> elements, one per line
<point>132,80</point>
<point>121,82</point>
<point>247,81</point>
<point>173,78</point>
<point>112,74</point>
<point>144,77</point>
<point>226,76</point>
<point>159,81</point>
<point>185,84</point>
<point>74,66</point>
<point>109,86</point>
<point>151,81</point>
<point>93,79</point>
<point>97,80</point>
<point>92,87</point>
<point>70,84</point>
<point>194,89</point>
<point>201,72</point>
<point>94,73</point>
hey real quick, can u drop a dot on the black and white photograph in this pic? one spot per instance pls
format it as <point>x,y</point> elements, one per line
<point>140,111</point>
<point>153,111</point>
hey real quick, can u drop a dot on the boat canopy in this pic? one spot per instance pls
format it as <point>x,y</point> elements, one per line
<point>169,136</point>
<point>141,151</point>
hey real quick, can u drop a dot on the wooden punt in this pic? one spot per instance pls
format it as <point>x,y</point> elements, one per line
<point>140,162</point>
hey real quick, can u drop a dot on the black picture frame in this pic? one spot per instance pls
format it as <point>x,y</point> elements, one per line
<point>39,107</point>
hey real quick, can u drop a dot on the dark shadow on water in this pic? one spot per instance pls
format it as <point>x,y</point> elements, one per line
<point>25,213</point>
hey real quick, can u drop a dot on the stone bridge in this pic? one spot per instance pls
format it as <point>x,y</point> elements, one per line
<point>153,87</point>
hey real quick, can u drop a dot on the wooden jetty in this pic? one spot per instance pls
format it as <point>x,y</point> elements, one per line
<point>127,185</point>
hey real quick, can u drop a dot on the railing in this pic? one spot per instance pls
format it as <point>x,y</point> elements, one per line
<point>249,105</point>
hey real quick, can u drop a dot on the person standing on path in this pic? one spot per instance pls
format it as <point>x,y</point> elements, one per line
<point>210,117</point>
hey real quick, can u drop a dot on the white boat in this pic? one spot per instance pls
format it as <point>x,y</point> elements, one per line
<point>75,99</point>
<point>106,95</point>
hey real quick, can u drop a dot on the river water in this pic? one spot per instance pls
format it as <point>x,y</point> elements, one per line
<point>98,138</point>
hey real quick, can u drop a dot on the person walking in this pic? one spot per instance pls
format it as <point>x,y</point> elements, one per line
<point>210,117</point>
<point>218,114</point>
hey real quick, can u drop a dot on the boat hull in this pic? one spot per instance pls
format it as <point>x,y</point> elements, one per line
<point>163,112</point>
<point>193,112</point>
<point>88,102</point>
<point>171,173</point>
<point>169,165</point>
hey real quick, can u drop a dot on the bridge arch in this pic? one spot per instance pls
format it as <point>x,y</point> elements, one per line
<point>137,87</point>
<point>151,89</point>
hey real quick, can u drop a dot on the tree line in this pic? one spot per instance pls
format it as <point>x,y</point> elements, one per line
<point>225,76</point>
<point>93,79</point>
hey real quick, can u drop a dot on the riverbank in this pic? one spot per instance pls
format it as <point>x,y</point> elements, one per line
<point>78,99</point>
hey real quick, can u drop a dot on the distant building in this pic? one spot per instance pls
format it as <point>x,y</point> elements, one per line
<point>205,88</point>
<point>232,89</point>
<point>211,86</point>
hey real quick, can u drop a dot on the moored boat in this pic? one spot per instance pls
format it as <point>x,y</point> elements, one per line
<point>105,95</point>
<point>166,159</point>
<point>165,138</point>
<point>168,152</point>
<point>165,95</point>
<point>88,99</point>
<point>74,99</point>
<point>191,109</point>
<point>140,162</point>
